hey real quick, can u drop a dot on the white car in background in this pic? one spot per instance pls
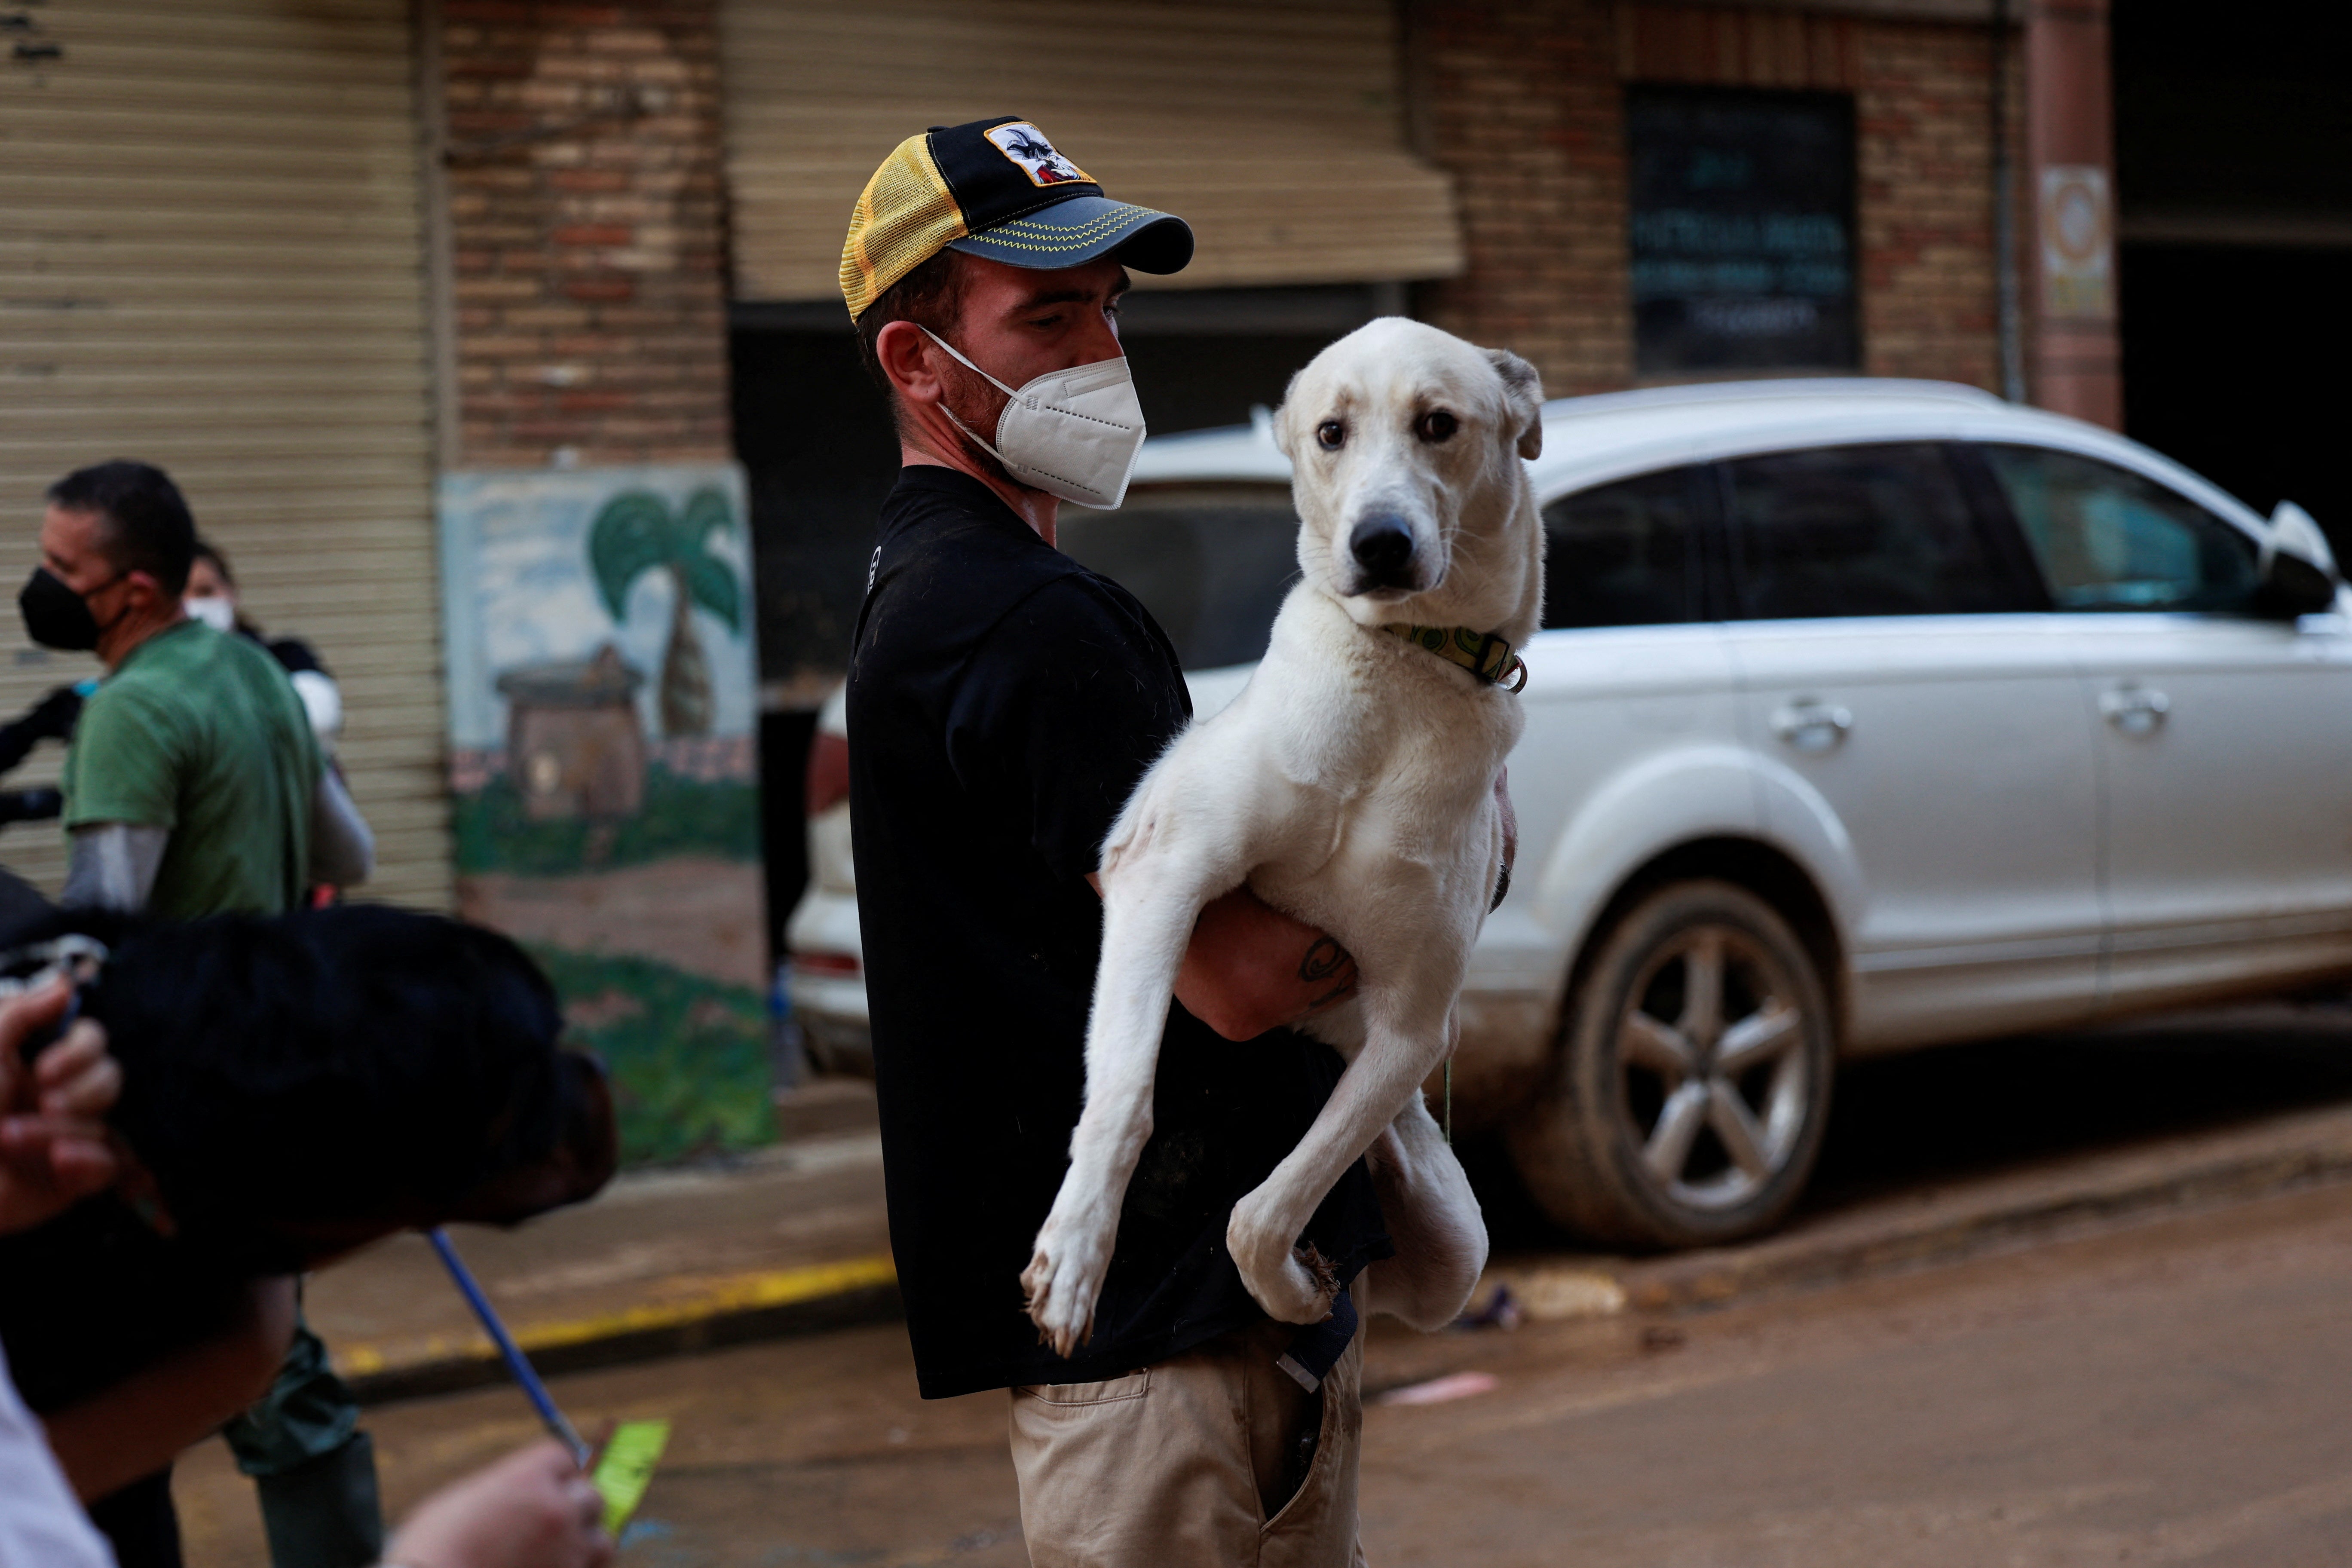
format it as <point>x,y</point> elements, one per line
<point>1868,715</point>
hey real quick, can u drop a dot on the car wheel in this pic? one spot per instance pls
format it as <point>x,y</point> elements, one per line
<point>1687,1100</point>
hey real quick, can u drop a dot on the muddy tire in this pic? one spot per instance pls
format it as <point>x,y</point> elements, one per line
<point>1686,1103</point>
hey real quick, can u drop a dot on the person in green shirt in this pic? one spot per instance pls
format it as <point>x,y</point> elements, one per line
<point>194,786</point>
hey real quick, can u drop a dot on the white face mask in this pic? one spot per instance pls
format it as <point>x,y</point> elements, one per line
<point>1071,433</point>
<point>214,610</point>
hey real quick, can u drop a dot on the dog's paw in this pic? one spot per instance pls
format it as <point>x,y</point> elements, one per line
<point>1294,1285</point>
<point>1059,1289</point>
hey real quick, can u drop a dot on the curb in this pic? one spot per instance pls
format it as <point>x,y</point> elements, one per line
<point>1920,1230</point>
<point>1703,1280</point>
<point>1916,1230</point>
<point>729,1309</point>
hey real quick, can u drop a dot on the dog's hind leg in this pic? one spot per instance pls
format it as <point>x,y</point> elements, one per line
<point>1150,906</point>
<point>1432,1215</point>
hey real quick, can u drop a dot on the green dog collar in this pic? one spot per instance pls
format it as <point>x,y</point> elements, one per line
<point>1483,654</point>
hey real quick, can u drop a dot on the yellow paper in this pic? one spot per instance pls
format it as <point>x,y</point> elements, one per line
<point>626,1468</point>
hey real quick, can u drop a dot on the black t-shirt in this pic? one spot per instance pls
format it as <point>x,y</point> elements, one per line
<point>1004,700</point>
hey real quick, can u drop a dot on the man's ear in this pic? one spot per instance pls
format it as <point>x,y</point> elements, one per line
<point>149,591</point>
<point>1523,396</point>
<point>899,348</point>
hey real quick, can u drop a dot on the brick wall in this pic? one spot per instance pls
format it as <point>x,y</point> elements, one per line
<point>1521,103</point>
<point>586,212</point>
<point>1923,114</point>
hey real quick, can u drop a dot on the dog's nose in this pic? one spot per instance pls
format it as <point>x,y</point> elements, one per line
<point>1381,546</point>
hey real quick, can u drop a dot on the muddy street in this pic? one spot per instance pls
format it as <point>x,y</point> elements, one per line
<point>2168,1393</point>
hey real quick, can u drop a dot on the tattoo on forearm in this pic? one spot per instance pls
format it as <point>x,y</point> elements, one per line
<point>1327,960</point>
<point>1338,994</point>
<point>1323,961</point>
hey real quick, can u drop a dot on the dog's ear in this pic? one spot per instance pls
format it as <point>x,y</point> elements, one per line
<point>1282,414</point>
<point>1523,390</point>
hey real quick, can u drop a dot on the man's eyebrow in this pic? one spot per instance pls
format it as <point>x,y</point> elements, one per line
<point>1045,297</point>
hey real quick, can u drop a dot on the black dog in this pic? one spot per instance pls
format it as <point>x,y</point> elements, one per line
<point>293,1088</point>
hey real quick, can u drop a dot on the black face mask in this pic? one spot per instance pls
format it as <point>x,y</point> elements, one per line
<point>55,616</point>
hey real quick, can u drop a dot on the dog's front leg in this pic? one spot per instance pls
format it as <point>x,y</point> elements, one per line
<point>1149,911</point>
<point>1266,1225</point>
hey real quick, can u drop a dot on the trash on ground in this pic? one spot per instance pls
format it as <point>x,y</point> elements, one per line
<point>1438,1389</point>
<point>1502,1310</point>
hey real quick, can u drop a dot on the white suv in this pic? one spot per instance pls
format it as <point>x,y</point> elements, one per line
<point>1867,715</point>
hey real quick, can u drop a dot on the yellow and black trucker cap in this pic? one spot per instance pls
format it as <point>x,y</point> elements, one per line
<point>995,188</point>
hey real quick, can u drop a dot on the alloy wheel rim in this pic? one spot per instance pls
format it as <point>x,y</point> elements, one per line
<point>1714,1086</point>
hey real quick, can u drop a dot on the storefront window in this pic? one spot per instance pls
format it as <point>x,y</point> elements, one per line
<point>1742,230</point>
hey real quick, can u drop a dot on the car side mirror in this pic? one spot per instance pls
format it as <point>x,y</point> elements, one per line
<point>2296,566</point>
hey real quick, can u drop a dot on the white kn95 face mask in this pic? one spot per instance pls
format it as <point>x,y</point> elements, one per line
<point>214,610</point>
<point>1071,433</point>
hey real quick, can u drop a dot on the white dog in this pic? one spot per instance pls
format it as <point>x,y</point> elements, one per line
<point>1352,785</point>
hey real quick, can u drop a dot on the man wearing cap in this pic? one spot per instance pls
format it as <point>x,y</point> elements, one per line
<point>1004,700</point>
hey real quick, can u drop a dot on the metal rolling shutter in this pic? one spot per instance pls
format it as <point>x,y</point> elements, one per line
<point>211,258</point>
<point>1275,129</point>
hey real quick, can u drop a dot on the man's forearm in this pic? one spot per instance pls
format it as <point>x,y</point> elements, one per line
<point>140,1424</point>
<point>342,848</point>
<point>1251,968</point>
<point>113,865</point>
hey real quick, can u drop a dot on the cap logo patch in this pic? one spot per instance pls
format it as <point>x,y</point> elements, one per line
<point>1027,146</point>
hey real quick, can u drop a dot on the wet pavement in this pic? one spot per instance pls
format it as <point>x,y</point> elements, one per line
<point>2174,1394</point>
<point>2170,1391</point>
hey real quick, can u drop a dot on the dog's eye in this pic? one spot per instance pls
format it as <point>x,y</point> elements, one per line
<point>1435,425</point>
<point>1331,434</point>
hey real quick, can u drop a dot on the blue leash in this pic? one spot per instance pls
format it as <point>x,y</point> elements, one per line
<point>517,1362</point>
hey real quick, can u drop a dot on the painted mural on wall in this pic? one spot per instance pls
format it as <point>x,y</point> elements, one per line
<point>603,722</point>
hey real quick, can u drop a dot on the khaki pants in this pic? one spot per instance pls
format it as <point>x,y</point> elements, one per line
<point>1173,1467</point>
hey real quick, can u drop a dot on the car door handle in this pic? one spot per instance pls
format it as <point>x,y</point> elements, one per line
<point>1812,725</point>
<point>2135,710</point>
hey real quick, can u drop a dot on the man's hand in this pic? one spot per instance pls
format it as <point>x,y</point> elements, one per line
<point>531,1509</point>
<point>53,1138</point>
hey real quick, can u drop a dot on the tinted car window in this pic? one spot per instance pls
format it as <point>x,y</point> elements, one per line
<point>1859,531</point>
<point>2107,539</point>
<point>1209,561</point>
<point>1624,554</point>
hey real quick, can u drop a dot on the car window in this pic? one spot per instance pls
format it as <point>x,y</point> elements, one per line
<point>1211,563</point>
<point>1859,531</point>
<point>2108,538</point>
<point>1624,554</point>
